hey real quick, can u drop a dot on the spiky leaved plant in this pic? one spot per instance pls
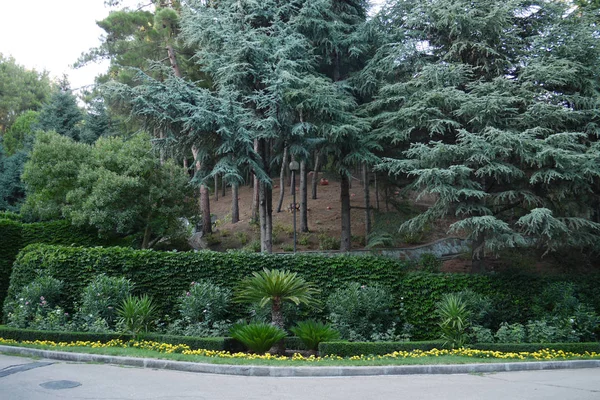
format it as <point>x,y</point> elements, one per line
<point>454,319</point>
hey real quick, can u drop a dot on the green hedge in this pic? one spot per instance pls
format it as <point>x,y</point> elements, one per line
<point>349,349</point>
<point>15,235</point>
<point>165,275</point>
<point>212,343</point>
<point>208,343</point>
<point>532,347</point>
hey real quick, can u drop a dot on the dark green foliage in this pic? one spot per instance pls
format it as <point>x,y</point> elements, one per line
<point>137,314</point>
<point>454,317</point>
<point>62,114</point>
<point>531,347</point>
<point>258,337</point>
<point>34,301</point>
<point>311,333</point>
<point>164,275</point>
<point>362,312</point>
<point>16,235</point>
<point>214,343</point>
<point>12,189</point>
<point>349,349</point>
<point>101,298</point>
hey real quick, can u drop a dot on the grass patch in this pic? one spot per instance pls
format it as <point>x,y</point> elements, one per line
<point>418,357</point>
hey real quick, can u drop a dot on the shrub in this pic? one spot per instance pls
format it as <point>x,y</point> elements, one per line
<point>136,315</point>
<point>258,337</point>
<point>430,262</point>
<point>100,300</point>
<point>203,309</point>
<point>349,349</point>
<point>480,334</point>
<point>312,333</point>
<point>361,312</point>
<point>33,302</point>
<point>541,332</point>
<point>327,242</point>
<point>510,333</point>
<point>454,319</point>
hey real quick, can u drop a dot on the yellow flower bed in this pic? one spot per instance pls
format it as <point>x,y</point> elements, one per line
<point>545,354</point>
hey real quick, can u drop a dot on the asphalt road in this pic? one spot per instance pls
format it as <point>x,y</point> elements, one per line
<point>33,379</point>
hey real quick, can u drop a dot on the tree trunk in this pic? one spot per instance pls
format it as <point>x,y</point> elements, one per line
<point>365,178</point>
<point>185,165</point>
<point>235,205</point>
<point>146,239</point>
<point>477,255</point>
<point>278,321</point>
<point>173,60</point>
<point>376,191</point>
<point>223,187</point>
<point>204,198</point>
<point>315,178</point>
<point>303,197</point>
<point>265,201</point>
<point>282,179</point>
<point>216,187</point>
<point>255,196</point>
<point>346,238</point>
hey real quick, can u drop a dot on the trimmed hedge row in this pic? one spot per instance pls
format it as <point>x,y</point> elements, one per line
<point>532,347</point>
<point>349,349</point>
<point>165,275</point>
<point>15,235</point>
<point>207,343</point>
<point>211,343</point>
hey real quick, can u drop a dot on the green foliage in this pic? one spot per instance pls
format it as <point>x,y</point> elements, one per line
<point>258,337</point>
<point>21,133</point>
<point>137,314</point>
<point>222,343</point>
<point>510,333</point>
<point>480,334</point>
<point>580,348</point>
<point>21,89</point>
<point>313,332</point>
<point>100,300</point>
<point>163,275</point>
<point>203,310</point>
<point>362,312</point>
<point>492,118</point>
<point>454,319</point>
<point>12,189</point>
<point>349,349</point>
<point>33,302</point>
<point>275,287</point>
<point>430,263</point>
<point>62,114</point>
<point>327,242</point>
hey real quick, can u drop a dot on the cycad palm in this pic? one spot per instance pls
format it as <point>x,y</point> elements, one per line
<point>275,287</point>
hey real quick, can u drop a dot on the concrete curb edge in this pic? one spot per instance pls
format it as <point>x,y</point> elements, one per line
<point>254,370</point>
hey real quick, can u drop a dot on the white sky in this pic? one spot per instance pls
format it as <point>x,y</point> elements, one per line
<point>51,35</point>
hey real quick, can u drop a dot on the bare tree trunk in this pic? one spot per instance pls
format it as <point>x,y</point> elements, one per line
<point>223,186</point>
<point>146,239</point>
<point>477,255</point>
<point>365,178</point>
<point>346,238</point>
<point>315,178</point>
<point>282,179</point>
<point>173,60</point>
<point>265,201</point>
<point>376,191</point>
<point>235,205</point>
<point>204,198</point>
<point>185,164</point>
<point>255,196</point>
<point>216,187</point>
<point>278,321</point>
<point>303,197</point>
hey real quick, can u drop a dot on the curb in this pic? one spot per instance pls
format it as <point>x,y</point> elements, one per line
<point>252,370</point>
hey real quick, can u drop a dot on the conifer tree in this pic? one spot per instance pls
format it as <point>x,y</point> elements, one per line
<point>499,102</point>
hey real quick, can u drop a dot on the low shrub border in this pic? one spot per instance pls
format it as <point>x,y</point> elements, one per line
<point>194,343</point>
<point>349,349</point>
<point>580,348</point>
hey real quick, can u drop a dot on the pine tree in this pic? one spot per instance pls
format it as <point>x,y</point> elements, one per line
<point>62,114</point>
<point>499,104</point>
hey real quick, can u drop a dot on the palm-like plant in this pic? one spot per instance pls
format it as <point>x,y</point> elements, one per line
<point>454,315</point>
<point>275,287</point>
<point>312,333</point>
<point>137,314</point>
<point>258,337</point>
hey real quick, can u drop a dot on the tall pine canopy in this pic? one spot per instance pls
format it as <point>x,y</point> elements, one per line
<point>496,106</point>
